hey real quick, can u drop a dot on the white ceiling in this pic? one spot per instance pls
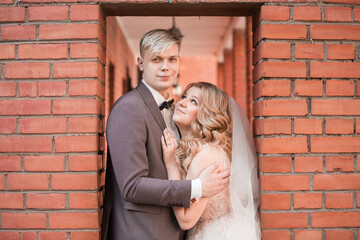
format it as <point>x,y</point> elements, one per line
<point>202,35</point>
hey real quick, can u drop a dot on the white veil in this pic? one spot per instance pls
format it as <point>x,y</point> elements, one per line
<point>244,184</point>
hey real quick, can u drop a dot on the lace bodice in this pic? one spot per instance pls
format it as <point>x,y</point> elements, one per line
<point>218,205</point>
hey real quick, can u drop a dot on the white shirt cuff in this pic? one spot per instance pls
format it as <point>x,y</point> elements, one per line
<point>196,190</point>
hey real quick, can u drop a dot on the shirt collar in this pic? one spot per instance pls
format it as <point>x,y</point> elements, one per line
<point>159,99</point>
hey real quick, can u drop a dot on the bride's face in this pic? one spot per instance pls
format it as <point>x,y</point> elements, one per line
<point>186,109</point>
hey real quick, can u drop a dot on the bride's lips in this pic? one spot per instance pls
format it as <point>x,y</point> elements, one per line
<point>178,110</point>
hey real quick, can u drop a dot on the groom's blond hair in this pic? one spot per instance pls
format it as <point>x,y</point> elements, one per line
<point>158,41</point>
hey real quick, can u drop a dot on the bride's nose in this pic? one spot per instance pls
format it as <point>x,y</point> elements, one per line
<point>182,102</point>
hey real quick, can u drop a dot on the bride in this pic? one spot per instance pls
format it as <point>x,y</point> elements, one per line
<point>214,130</point>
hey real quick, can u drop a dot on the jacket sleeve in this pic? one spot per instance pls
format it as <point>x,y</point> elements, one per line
<point>127,136</point>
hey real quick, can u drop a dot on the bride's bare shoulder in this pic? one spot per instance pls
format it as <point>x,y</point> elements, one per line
<point>203,159</point>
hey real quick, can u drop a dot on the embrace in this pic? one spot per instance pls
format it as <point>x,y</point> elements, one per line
<point>189,166</point>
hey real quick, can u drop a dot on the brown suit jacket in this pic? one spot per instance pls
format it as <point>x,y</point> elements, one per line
<point>138,196</point>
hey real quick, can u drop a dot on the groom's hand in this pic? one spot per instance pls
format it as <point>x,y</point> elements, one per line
<point>214,179</point>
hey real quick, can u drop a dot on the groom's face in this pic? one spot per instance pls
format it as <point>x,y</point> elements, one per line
<point>160,70</point>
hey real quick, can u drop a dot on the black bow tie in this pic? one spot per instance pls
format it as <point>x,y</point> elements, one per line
<point>166,104</point>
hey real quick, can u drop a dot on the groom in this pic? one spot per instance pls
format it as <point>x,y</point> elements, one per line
<point>138,196</point>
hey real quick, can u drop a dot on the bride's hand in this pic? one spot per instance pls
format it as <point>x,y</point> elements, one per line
<point>169,145</point>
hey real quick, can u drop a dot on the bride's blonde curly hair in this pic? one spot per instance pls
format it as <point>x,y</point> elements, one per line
<point>212,124</point>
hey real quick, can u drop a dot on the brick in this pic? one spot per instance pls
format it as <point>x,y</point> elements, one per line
<point>10,235</point>
<point>307,200</point>
<point>341,1</point>
<point>7,125</point>
<point>272,126</point>
<point>76,106</point>
<point>10,163</point>
<point>308,126</point>
<point>84,12</point>
<point>340,163</point>
<point>284,220</point>
<point>282,31</point>
<point>307,13</point>
<point>282,145</point>
<point>339,200</point>
<point>272,88</point>
<point>335,69</point>
<point>46,200</point>
<point>339,88</point>
<point>44,163</point>
<point>52,88</point>
<point>25,144</point>
<point>340,51</point>
<point>23,220</point>
<point>335,32</point>
<point>358,125</point>
<point>77,143</point>
<point>28,235</point>
<point>82,235</point>
<point>27,89</point>
<point>280,108</point>
<point>52,236</point>
<point>308,88</point>
<point>86,50</point>
<point>279,69</point>
<point>285,182</point>
<point>336,107</point>
<point>275,164</point>
<point>69,31</point>
<point>25,107</point>
<point>84,162</point>
<point>7,51</point>
<point>12,14</point>
<point>357,14</point>
<point>69,220</point>
<point>45,13</point>
<point>11,200</point>
<point>43,51</point>
<point>2,182</point>
<point>275,201</point>
<point>338,14</point>
<point>76,69</point>
<point>272,50</point>
<point>339,234</point>
<point>308,164</point>
<point>18,32</point>
<point>339,126</point>
<point>335,144</point>
<point>43,125</point>
<point>275,235</point>
<point>27,70</point>
<point>309,51</point>
<point>21,181</point>
<point>274,13</point>
<point>74,181</point>
<point>336,182</point>
<point>86,88</point>
<point>85,124</point>
<point>358,88</point>
<point>7,89</point>
<point>358,199</point>
<point>307,234</point>
<point>335,219</point>
<point>83,200</point>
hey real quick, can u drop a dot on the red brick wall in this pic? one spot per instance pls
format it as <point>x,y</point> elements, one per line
<point>306,112</point>
<point>51,105</point>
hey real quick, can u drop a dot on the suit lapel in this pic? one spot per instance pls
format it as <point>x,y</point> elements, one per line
<point>151,104</point>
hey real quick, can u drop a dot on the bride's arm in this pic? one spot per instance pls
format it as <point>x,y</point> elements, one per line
<point>187,217</point>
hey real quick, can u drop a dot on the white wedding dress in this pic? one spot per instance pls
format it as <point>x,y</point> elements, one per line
<point>232,214</point>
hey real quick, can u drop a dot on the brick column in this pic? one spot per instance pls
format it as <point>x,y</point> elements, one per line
<point>306,120</point>
<point>229,72</point>
<point>51,106</point>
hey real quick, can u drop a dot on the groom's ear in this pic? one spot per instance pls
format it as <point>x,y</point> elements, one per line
<point>140,63</point>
